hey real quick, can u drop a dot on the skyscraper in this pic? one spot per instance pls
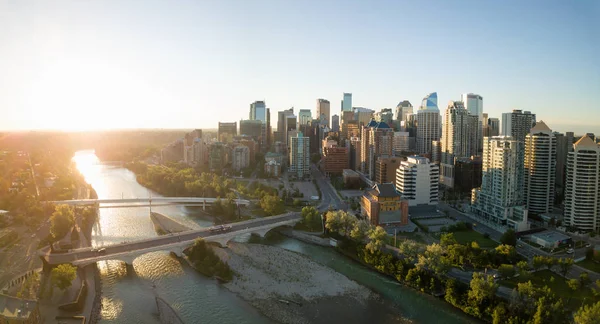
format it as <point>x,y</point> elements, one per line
<point>517,124</point>
<point>347,102</point>
<point>363,115</point>
<point>499,200</point>
<point>494,126</point>
<point>458,139</point>
<point>281,118</point>
<point>474,105</point>
<point>323,111</point>
<point>582,189</point>
<point>377,140</point>
<point>227,131</point>
<point>403,110</point>
<point>289,126</point>
<point>540,172</point>
<point>304,116</point>
<point>428,123</point>
<point>335,123</point>
<point>258,111</point>
<point>385,115</point>
<point>299,156</point>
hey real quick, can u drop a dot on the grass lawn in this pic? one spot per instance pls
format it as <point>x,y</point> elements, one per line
<point>466,237</point>
<point>590,265</point>
<point>558,285</point>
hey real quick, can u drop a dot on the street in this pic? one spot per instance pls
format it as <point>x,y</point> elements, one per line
<point>329,196</point>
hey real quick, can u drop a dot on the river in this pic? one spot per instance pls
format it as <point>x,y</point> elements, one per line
<point>128,297</point>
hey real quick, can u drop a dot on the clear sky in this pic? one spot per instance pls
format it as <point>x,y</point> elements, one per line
<point>189,64</point>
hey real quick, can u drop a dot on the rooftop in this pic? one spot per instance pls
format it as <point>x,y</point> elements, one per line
<point>586,142</point>
<point>385,190</point>
<point>540,127</point>
<point>12,307</point>
<point>551,236</point>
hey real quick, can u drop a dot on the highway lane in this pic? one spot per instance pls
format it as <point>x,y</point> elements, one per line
<point>57,258</point>
<point>329,196</point>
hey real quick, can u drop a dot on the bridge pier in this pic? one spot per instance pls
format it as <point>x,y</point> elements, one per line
<point>130,269</point>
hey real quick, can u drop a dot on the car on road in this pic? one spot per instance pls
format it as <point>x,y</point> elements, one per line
<point>102,251</point>
<point>588,245</point>
<point>570,251</point>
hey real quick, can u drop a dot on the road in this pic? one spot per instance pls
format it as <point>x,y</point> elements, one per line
<point>329,197</point>
<point>87,253</point>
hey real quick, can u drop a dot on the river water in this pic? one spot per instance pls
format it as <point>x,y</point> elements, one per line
<point>128,296</point>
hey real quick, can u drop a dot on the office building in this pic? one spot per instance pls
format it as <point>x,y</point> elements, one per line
<point>355,155</point>
<point>517,124</point>
<point>289,128</point>
<point>401,143</point>
<point>474,105</point>
<point>403,110</point>
<point>467,173</point>
<point>564,145</point>
<point>499,200</point>
<point>540,169</point>
<point>347,102</point>
<point>385,115</point>
<point>299,156</point>
<point>252,128</point>
<point>323,112</point>
<point>382,206</point>
<point>363,115</point>
<point>417,180</point>
<point>272,169</point>
<point>351,179</point>
<point>459,134</point>
<point>227,131</point>
<point>335,123</point>
<point>335,160</point>
<point>410,126</point>
<point>252,146</point>
<point>281,119</point>
<point>385,169</point>
<point>350,129</point>
<point>240,157</point>
<point>377,140</point>
<point>258,111</point>
<point>582,188</point>
<point>494,126</point>
<point>428,124</point>
<point>436,152</point>
<point>200,153</point>
<point>304,116</point>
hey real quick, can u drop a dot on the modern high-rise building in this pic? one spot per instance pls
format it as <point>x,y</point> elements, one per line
<point>289,126</point>
<point>217,156</point>
<point>355,156</point>
<point>417,180</point>
<point>347,102</point>
<point>252,128</point>
<point>428,124</point>
<point>401,143</point>
<point>494,126</point>
<point>323,111</point>
<point>474,105</point>
<point>582,189</point>
<point>540,169</point>
<point>335,123</point>
<point>258,111</point>
<point>385,169</point>
<point>377,140</point>
<point>385,115</point>
<point>227,131</point>
<point>517,124</point>
<point>459,134</point>
<point>403,110</point>
<point>335,159</point>
<point>281,119</point>
<point>499,200</point>
<point>300,156</point>
<point>304,116</point>
<point>240,157</point>
<point>363,115</point>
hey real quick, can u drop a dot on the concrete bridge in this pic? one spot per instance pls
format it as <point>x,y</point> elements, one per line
<point>176,242</point>
<point>149,201</point>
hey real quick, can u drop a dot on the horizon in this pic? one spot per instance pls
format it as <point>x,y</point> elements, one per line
<point>77,66</point>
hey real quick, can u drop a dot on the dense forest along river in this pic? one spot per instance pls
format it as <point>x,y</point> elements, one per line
<point>128,297</point>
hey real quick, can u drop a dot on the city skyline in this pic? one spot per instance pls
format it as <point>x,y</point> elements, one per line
<point>96,65</point>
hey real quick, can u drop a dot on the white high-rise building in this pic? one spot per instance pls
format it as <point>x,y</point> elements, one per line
<point>499,200</point>
<point>582,189</point>
<point>428,124</point>
<point>474,105</point>
<point>347,102</point>
<point>417,180</point>
<point>300,156</point>
<point>540,169</point>
<point>459,132</point>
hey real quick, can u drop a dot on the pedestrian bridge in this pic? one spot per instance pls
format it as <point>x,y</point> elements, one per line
<point>176,242</point>
<point>149,201</point>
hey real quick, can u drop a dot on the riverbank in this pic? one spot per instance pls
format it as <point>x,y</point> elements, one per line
<point>291,288</point>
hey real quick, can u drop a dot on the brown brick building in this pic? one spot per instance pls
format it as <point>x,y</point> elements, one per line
<point>385,169</point>
<point>335,160</point>
<point>382,205</point>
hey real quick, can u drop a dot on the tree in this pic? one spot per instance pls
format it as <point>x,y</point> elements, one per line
<point>565,265</point>
<point>447,240</point>
<point>573,284</point>
<point>523,266</point>
<point>311,217</point>
<point>588,314</point>
<point>482,287</point>
<point>434,260</point>
<point>340,222</point>
<point>271,204</point>
<point>509,237</point>
<point>61,221</point>
<point>538,262</point>
<point>410,249</point>
<point>506,271</point>
<point>584,279</point>
<point>63,275</point>
<point>376,237</point>
<point>360,230</point>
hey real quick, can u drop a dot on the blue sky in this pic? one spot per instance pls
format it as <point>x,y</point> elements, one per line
<point>189,64</point>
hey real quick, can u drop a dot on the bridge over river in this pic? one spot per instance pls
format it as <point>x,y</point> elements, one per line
<point>148,201</point>
<point>176,242</point>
